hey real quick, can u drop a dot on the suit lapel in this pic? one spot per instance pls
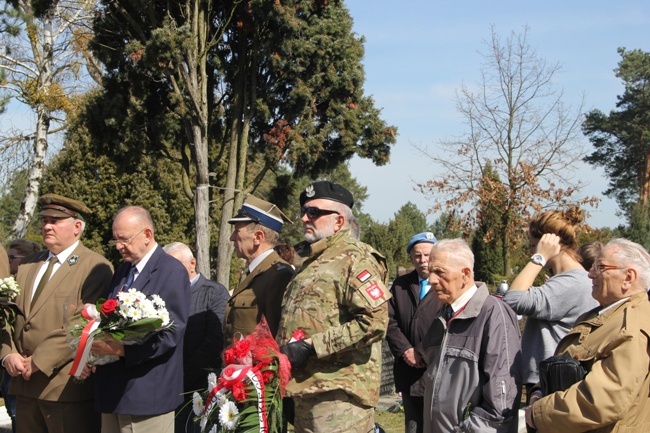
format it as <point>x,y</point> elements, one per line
<point>26,292</point>
<point>263,266</point>
<point>57,279</point>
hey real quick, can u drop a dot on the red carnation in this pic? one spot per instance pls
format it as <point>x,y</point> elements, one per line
<point>239,391</point>
<point>109,306</point>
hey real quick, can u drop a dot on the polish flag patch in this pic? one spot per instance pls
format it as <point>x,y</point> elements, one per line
<point>363,276</point>
<point>375,292</point>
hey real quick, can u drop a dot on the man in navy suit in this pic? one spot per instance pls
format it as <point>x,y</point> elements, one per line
<point>140,391</point>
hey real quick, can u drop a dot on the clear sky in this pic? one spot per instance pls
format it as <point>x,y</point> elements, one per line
<point>419,52</point>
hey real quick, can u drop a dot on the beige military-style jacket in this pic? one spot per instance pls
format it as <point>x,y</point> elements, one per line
<point>615,394</point>
<point>83,278</point>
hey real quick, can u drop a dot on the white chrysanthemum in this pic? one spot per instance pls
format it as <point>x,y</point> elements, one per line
<point>158,301</point>
<point>213,429</point>
<point>9,287</point>
<point>212,381</point>
<point>229,415</point>
<point>147,309</point>
<point>203,422</point>
<point>164,315</point>
<point>197,404</point>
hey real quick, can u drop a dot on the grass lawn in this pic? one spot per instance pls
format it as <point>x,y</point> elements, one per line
<point>390,422</point>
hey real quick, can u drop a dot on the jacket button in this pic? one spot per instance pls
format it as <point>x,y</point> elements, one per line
<point>27,327</point>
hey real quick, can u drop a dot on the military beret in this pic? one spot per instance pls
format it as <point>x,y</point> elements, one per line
<point>426,237</point>
<point>62,207</point>
<point>260,211</point>
<point>327,190</point>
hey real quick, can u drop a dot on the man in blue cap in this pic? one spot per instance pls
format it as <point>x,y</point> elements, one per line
<point>411,311</point>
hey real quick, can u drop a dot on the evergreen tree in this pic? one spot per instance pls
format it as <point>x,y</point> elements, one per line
<point>487,242</point>
<point>278,81</point>
<point>622,138</point>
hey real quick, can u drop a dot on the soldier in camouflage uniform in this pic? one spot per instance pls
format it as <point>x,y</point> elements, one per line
<point>339,300</point>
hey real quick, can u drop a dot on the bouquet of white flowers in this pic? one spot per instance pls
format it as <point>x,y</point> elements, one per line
<point>131,318</point>
<point>8,309</point>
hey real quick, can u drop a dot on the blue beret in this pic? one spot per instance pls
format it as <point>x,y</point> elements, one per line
<point>427,237</point>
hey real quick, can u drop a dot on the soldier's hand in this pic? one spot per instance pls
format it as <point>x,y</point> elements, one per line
<point>298,352</point>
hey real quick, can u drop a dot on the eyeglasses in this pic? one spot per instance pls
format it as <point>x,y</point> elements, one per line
<point>600,268</point>
<point>314,212</point>
<point>125,243</point>
<point>12,257</point>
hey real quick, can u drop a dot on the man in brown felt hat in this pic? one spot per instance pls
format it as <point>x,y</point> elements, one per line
<point>37,355</point>
<point>259,293</point>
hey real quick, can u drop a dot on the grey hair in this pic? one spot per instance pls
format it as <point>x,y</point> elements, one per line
<point>179,248</point>
<point>458,251</point>
<point>270,236</point>
<point>633,255</point>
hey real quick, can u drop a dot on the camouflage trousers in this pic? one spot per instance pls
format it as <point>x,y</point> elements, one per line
<point>332,412</point>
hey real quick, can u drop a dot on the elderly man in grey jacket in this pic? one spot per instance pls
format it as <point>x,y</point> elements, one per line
<point>473,377</point>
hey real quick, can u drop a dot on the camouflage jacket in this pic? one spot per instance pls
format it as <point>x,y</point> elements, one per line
<point>339,299</point>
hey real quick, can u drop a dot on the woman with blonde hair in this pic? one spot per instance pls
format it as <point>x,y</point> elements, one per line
<point>551,308</point>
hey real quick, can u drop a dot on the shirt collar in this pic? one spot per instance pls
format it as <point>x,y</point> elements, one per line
<point>464,298</point>
<point>257,260</point>
<point>142,263</point>
<point>63,255</point>
<point>614,305</point>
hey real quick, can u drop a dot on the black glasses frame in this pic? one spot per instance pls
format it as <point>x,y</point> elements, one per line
<point>314,212</point>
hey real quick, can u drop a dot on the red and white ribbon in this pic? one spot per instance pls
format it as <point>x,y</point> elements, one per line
<point>232,375</point>
<point>90,313</point>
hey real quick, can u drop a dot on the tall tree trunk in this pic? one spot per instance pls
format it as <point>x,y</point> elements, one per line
<point>197,65</point>
<point>43,54</point>
<point>235,175</point>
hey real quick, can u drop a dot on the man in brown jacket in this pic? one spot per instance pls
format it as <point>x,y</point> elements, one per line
<point>4,263</point>
<point>37,355</point>
<point>612,342</point>
<point>265,277</point>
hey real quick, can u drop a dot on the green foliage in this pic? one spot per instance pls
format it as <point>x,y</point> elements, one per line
<point>622,138</point>
<point>391,239</point>
<point>286,194</point>
<point>105,186</point>
<point>639,224</point>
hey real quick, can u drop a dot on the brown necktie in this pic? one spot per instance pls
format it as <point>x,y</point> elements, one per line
<point>45,278</point>
<point>244,274</point>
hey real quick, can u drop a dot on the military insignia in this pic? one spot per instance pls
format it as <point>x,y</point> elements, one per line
<point>309,191</point>
<point>73,260</point>
<point>429,235</point>
<point>375,292</point>
<point>363,276</point>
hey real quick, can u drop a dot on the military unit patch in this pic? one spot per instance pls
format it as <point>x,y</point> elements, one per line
<point>363,276</point>
<point>375,291</point>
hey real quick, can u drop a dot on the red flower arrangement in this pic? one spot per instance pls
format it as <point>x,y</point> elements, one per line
<point>247,396</point>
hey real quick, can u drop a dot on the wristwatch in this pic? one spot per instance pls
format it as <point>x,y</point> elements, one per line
<point>538,259</point>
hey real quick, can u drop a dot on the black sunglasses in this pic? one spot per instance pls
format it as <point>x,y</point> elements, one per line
<point>314,212</point>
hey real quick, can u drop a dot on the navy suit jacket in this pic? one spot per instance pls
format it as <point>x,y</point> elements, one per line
<point>148,380</point>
